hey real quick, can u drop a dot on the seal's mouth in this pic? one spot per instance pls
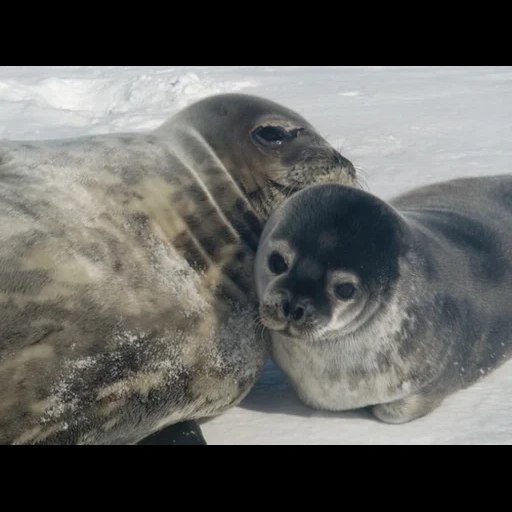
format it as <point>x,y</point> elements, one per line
<point>344,174</point>
<point>285,189</point>
<point>286,329</point>
<point>274,324</point>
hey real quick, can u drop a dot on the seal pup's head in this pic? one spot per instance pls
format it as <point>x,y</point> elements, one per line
<point>269,150</point>
<point>328,257</point>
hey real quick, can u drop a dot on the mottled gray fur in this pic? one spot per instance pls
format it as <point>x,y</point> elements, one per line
<point>430,274</point>
<point>126,295</point>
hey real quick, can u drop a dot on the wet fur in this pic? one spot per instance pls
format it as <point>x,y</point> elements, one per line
<point>438,263</point>
<point>126,296</point>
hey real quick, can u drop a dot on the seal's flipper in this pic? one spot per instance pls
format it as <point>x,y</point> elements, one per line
<point>407,409</point>
<point>184,433</point>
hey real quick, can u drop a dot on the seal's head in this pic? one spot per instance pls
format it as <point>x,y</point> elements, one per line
<point>270,150</point>
<point>328,256</point>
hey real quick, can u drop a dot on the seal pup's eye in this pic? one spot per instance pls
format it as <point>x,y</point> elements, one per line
<point>276,264</point>
<point>344,291</point>
<point>271,135</point>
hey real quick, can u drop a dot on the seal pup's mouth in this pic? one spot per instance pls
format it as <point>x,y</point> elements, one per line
<point>274,324</point>
<point>286,329</point>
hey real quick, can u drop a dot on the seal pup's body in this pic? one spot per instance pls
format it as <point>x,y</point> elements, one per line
<point>126,294</point>
<point>390,305</point>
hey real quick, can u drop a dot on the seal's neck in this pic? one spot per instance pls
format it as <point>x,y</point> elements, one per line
<point>225,177</point>
<point>211,197</point>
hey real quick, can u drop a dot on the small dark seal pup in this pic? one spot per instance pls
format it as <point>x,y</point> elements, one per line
<point>390,305</point>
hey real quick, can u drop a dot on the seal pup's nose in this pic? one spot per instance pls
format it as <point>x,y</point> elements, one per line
<point>294,310</point>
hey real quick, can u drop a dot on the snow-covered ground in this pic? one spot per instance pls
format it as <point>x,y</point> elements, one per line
<point>403,126</point>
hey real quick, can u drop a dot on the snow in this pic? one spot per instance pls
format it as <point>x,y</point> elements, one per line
<point>403,127</point>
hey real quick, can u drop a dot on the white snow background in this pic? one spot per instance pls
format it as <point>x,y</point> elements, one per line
<point>403,126</point>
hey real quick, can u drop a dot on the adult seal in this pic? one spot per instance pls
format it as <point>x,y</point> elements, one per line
<point>388,305</point>
<point>126,294</point>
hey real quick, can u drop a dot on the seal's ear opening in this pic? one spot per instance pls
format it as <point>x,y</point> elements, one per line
<point>272,135</point>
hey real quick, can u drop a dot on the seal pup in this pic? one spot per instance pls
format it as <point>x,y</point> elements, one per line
<point>126,294</point>
<point>390,305</point>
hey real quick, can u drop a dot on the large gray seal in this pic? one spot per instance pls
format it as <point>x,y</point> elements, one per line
<point>126,294</point>
<point>389,305</point>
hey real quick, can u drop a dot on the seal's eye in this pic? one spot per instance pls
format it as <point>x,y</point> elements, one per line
<point>271,135</point>
<point>276,263</point>
<point>344,291</point>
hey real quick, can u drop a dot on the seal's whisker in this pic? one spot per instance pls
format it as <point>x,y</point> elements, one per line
<point>362,177</point>
<point>292,190</point>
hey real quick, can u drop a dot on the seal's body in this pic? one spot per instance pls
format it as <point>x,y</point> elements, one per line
<point>391,305</point>
<point>126,295</point>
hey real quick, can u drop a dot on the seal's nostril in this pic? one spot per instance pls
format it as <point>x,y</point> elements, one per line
<point>298,313</point>
<point>286,306</point>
